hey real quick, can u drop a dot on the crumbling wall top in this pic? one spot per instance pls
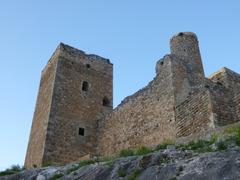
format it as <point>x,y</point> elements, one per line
<point>184,35</point>
<point>185,44</point>
<point>75,55</point>
<point>66,49</point>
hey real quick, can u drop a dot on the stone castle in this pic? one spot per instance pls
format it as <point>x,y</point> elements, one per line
<point>74,116</point>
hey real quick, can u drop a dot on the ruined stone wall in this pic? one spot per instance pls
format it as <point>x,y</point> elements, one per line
<point>74,116</point>
<point>192,101</point>
<point>221,102</point>
<point>37,138</point>
<point>74,108</point>
<point>168,108</point>
<point>145,118</point>
<point>224,88</point>
<point>194,114</point>
<point>236,101</point>
<point>174,104</point>
<point>234,87</point>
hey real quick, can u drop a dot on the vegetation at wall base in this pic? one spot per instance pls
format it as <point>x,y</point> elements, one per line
<point>12,170</point>
<point>57,176</point>
<point>164,145</point>
<point>228,138</point>
<point>122,173</point>
<point>143,150</point>
<point>134,174</point>
<point>126,153</point>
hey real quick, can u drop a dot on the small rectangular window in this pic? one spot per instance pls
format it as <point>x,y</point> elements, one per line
<point>85,86</point>
<point>81,131</point>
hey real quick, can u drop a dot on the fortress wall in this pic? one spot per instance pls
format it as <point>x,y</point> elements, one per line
<point>194,115</point>
<point>234,80</point>
<point>37,138</point>
<point>192,104</point>
<point>222,103</point>
<point>236,101</point>
<point>192,101</point>
<point>225,90</point>
<point>181,81</point>
<point>179,102</point>
<point>72,108</point>
<point>145,118</point>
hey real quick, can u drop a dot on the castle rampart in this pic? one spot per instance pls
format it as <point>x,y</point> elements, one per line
<point>145,118</point>
<point>74,116</point>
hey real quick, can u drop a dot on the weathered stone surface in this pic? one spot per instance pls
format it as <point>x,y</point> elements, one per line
<point>163,165</point>
<point>37,138</point>
<point>225,90</point>
<point>64,106</point>
<point>146,118</point>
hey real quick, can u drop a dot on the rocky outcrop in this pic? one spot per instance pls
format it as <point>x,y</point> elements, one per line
<point>168,164</point>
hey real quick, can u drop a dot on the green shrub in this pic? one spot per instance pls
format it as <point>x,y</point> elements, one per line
<point>86,162</point>
<point>143,150</point>
<point>47,163</point>
<point>109,160</point>
<point>165,159</point>
<point>109,163</point>
<point>56,176</point>
<point>221,145</point>
<point>173,178</point>
<point>201,146</point>
<point>16,168</point>
<point>205,149</point>
<point>213,138</point>
<point>80,164</point>
<point>238,136</point>
<point>122,173</point>
<point>135,174</point>
<point>12,170</point>
<point>7,172</point>
<point>106,159</point>
<point>233,133</point>
<point>194,145</point>
<point>181,146</point>
<point>164,145</point>
<point>126,153</point>
<point>73,168</point>
<point>232,129</point>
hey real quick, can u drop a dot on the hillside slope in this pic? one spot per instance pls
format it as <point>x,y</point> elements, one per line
<point>164,164</point>
<point>214,158</point>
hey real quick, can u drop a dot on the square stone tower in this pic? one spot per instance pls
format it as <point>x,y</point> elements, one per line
<point>75,92</point>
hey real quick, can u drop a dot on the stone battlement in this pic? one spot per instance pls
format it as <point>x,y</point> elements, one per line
<point>67,50</point>
<point>74,117</point>
<point>76,55</point>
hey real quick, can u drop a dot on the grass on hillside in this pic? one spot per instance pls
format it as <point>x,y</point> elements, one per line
<point>57,176</point>
<point>217,142</point>
<point>12,170</point>
<point>134,174</point>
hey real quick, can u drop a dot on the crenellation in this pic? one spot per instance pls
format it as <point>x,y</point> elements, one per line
<point>74,116</point>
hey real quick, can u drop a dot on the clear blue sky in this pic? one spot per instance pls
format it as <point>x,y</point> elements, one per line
<point>133,34</point>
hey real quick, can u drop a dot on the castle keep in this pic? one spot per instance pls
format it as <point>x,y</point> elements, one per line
<point>74,117</point>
